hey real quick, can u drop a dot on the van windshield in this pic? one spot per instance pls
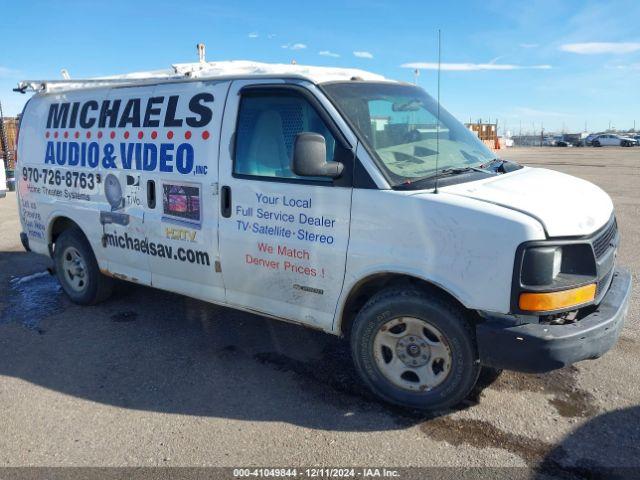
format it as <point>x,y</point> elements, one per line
<point>399,123</point>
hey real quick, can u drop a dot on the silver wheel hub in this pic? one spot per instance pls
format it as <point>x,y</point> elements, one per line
<point>412,353</point>
<point>74,269</point>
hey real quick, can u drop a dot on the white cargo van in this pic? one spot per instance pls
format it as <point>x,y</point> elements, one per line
<point>332,198</point>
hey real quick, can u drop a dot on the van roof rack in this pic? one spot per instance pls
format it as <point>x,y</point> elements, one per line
<point>202,70</point>
<point>46,86</point>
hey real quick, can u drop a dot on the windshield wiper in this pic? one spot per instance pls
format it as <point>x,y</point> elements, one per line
<point>498,165</point>
<point>445,172</point>
<point>457,170</point>
<point>492,163</point>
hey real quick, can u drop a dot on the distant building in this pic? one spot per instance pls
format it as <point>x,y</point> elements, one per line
<point>487,132</point>
<point>528,140</point>
<point>484,131</point>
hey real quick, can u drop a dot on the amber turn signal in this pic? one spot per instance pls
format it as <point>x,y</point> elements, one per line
<point>544,302</point>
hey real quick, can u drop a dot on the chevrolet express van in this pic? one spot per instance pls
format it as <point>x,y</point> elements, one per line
<point>333,198</point>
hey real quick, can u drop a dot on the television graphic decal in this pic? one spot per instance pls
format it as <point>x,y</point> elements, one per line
<point>181,202</point>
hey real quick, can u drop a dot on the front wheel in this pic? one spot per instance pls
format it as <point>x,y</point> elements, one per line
<point>596,143</point>
<point>415,350</point>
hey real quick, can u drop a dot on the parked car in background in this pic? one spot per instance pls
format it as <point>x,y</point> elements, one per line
<point>613,140</point>
<point>590,138</point>
<point>11,180</point>
<point>563,143</point>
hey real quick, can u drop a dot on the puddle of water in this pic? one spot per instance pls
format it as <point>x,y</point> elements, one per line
<point>567,398</point>
<point>31,299</point>
<point>28,278</point>
<point>482,434</point>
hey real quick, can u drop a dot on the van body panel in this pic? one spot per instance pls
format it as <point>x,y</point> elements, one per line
<point>89,155</point>
<point>462,245</point>
<point>43,194</point>
<point>121,261</point>
<point>566,205</point>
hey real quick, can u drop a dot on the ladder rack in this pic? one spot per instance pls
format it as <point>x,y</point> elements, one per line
<point>204,71</point>
<point>46,86</point>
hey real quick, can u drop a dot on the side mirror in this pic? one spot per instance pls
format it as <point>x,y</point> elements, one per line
<point>310,157</point>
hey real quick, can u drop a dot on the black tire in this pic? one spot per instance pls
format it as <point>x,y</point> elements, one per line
<point>596,143</point>
<point>95,287</point>
<point>440,313</point>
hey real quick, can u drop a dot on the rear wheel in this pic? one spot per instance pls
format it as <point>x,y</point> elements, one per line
<point>77,269</point>
<point>415,350</point>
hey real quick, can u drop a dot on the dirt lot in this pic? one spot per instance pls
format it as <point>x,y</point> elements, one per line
<point>150,378</point>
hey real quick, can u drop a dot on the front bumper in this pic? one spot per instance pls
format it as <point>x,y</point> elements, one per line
<point>535,347</point>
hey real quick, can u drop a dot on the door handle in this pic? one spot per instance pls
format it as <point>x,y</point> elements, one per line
<point>151,194</point>
<point>225,201</point>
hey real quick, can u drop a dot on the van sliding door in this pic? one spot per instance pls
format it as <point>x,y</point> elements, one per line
<point>181,200</point>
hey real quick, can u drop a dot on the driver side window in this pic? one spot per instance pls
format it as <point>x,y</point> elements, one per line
<point>266,131</point>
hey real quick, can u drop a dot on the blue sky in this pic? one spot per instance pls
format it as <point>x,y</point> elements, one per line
<point>530,63</point>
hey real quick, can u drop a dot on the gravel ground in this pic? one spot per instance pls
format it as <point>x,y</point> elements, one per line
<point>155,379</point>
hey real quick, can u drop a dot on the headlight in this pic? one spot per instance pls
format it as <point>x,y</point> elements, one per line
<point>541,265</point>
<point>554,276</point>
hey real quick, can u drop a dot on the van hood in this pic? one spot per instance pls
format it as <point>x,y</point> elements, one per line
<point>565,205</point>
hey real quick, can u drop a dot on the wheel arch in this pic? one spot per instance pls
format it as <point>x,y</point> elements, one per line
<point>59,224</point>
<point>360,293</point>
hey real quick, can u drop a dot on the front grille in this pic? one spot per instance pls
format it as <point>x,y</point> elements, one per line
<point>603,284</point>
<point>604,240</point>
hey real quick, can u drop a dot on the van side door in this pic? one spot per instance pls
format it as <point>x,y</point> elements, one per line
<point>283,238</point>
<point>181,200</point>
